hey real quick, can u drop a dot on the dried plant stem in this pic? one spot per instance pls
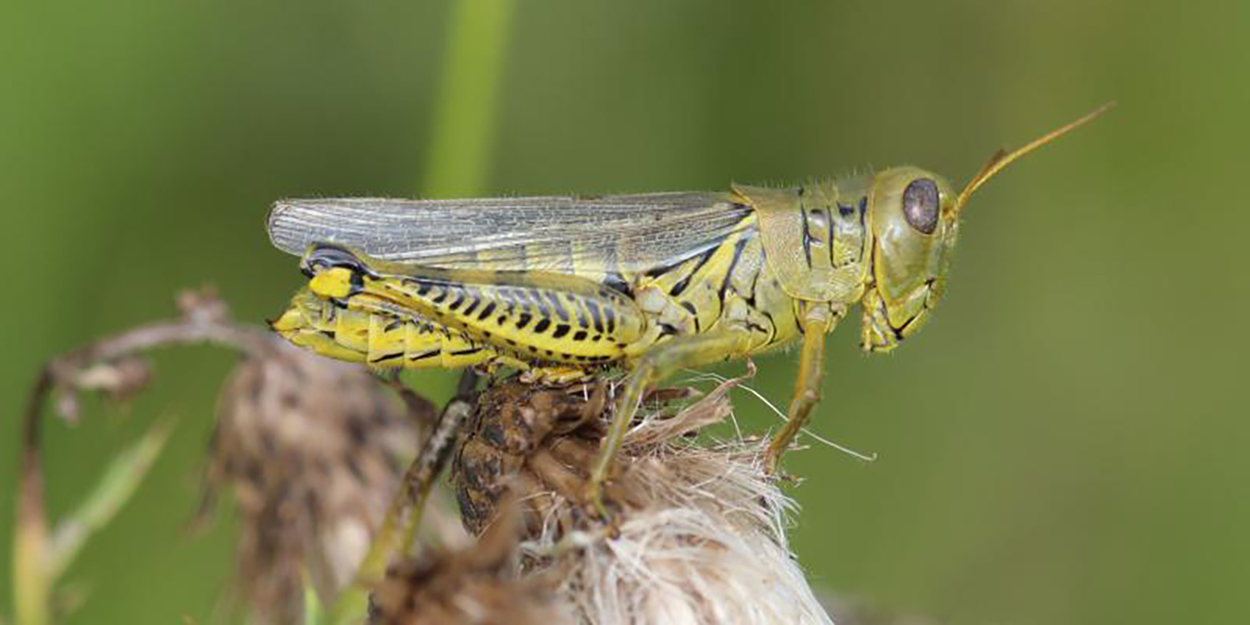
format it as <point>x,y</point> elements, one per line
<point>397,535</point>
<point>37,560</point>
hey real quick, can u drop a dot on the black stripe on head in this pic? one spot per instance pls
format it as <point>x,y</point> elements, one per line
<point>807,238</point>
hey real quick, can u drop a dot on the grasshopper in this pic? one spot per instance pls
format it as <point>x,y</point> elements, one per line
<point>563,287</point>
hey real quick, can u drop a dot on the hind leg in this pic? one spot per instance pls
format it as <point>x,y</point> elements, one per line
<point>658,363</point>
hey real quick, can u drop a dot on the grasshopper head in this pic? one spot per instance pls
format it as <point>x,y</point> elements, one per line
<point>914,226</point>
<point>915,220</point>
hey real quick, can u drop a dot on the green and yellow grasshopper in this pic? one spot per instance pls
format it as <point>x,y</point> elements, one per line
<point>564,287</point>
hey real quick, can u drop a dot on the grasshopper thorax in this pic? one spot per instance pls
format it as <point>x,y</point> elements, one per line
<point>914,227</point>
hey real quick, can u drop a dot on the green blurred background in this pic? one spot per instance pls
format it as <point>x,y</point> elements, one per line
<point>1063,444</point>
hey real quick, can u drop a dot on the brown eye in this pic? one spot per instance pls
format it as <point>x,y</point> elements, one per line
<point>920,205</point>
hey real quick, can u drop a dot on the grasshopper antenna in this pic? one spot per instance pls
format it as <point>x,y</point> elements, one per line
<point>1003,158</point>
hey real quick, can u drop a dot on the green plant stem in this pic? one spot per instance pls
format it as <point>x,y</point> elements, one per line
<point>459,151</point>
<point>32,587</point>
<point>116,486</point>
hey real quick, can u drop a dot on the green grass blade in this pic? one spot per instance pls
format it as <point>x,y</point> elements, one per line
<point>120,481</point>
<point>464,121</point>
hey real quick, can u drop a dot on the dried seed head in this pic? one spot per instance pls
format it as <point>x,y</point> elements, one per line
<point>203,305</point>
<point>118,380</point>
<point>314,450</point>
<point>514,428</point>
<point>474,586</point>
<point>700,533</point>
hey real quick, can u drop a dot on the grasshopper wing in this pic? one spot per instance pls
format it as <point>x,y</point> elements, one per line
<point>562,235</point>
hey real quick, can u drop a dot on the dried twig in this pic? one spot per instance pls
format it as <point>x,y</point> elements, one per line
<point>282,405</point>
<point>107,365</point>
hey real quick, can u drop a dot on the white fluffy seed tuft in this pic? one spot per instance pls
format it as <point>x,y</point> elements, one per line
<point>703,541</point>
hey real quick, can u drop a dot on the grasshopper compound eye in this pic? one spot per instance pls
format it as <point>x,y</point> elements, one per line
<point>920,205</point>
